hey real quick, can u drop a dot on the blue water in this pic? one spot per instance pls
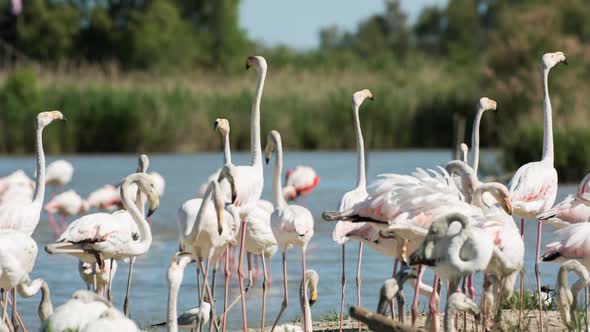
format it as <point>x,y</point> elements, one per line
<point>184,174</point>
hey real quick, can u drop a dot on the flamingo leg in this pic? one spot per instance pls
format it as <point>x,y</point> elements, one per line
<point>286,292</point>
<point>241,274</point>
<point>14,322</point>
<point>19,320</point>
<point>53,224</point>
<point>432,305</point>
<point>264,288</point>
<point>127,292</point>
<point>586,294</point>
<point>249,259</point>
<point>4,305</point>
<point>213,320</point>
<point>343,285</point>
<point>417,295</point>
<point>226,288</point>
<point>521,295</point>
<point>305,300</point>
<point>395,267</point>
<point>538,274</point>
<point>358,281</point>
<point>109,290</point>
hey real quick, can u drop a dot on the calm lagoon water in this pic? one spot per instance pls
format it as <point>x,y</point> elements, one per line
<point>184,174</point>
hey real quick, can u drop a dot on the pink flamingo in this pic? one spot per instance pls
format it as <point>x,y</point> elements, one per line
<point>573,209</point>
<point>358,194</point>
<point>59,173</point>
<point>291,224</point>
<point>534,185</point>
<point>301,181</point>
<point>105,198</point>
<point>66,204</point>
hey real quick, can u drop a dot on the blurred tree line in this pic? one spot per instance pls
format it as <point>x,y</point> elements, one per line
<point>136,34</point>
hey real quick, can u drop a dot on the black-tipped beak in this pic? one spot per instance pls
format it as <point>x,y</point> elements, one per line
<point>215,125</point>
<point>150,212</point>
<point>247,66</point>
<point>372,98</point>
<point>64,118</point>
<point>219,229</point>
<point>267,160</point>
<point>565,62</point>
<point>311,302</point>
<point>234,197</point>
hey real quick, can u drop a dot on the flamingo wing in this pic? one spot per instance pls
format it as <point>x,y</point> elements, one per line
<point>533,188</point>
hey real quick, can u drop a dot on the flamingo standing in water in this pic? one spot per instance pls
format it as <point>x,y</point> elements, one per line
<point>66,204</point>
<point>105,198</point>
<point>59,173</point>
<point>342,229</point>
<point>534,185</point>
<point>291,224</point>
<point>24,215</point>
<point>301,181</point>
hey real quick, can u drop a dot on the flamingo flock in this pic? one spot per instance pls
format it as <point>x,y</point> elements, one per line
<point>445,219</point>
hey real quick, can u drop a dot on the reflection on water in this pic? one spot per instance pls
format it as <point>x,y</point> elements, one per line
<point>184,174</point>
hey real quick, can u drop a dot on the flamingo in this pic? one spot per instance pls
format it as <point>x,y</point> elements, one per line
<point>96,277</point>
<point>67,203</point>
<point>211,231</point>
<point>82,308</point>
<point>566,297</point>
<point>59,173</point>
<point>301,181</point>
<point>291,224</point>
<point>18,252</point>
<point>534,185</point>
<point>250,177</point>
<point>194,317</point>
<point>24,215</point>
<point>99,236</point>
<point>105,198</point>
<point>456,303</point>
<point>311,280</point>
<point>222,126</point>
<point>111,320</point>
<point>358,194</point>
<point>464,152</point>
<point>159,183</point>
<point>484,105</point>
<point>573,209</point>
<point>16,186</point>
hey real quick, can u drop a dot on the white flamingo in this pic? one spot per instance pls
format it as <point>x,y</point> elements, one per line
<point>95,277</point>
<point>456,303</point>
<point>194,317</point>
<point>250,177</point>
<point>111,320</point>
<point>24,216</point>
<point>99,236</point>
<point>16,186</point>
<point>104,198</point>
<point>66,204</point>
<point>573,209</point>
<point>82,308</point>
<point>484,104</point>
<point>18,252</point>
<point>301,181</point>
<point>59,173</point>
<point>206,230</point>
<point>464,152</point>
<point>358,194</point>
<point>534,185</point>
<point>566,297</point>
<point>291,224</point>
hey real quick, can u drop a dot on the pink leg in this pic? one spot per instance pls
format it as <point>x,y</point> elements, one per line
<point>264,287</point>
<point>417,295</point>
<point>432,304</point>
<point>249,260</point>
<point>286,291</point>
<point>53,225</point>
<point>470,287</point>
<point>358,281</point>
<point>241,275</point>
<point>343,285</point>
<point>226,290</point>
<point>538,273</point>
<point>305,300</point>
<point>521,294</point>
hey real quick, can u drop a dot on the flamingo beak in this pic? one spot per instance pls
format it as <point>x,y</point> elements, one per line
<point>507,206</point>
<point>565,62</point>
<point>219,219</point>
<point>154,202</point>
<point>314,297</point>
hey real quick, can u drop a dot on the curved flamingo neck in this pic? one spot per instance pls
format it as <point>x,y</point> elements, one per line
<point>497,190</point>
<point>255,145</point>
<point>173,286</point>
<point>145,233</point>
<point>212,190</point>
<point>40,180</point>
<point>475,138</point>
<point>277,193</point>
<point>304,303</point>
<point>457,242</point>
<point>547,122</point>
<point>227,149</point>
<point>360,149</point>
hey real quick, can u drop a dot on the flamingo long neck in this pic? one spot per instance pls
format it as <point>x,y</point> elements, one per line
<point>360,149</point>
<point>40,181</point>
<point>227,149</point>
<point>495,189</point>
<point>278,199</point>
<point>255,145</point>
<point>27,290</point>
<point>475,139</point>
<point>449,319</point>
<point>171,322</point>
<point>211,190</point>
<point>548,122</point>
<point>456,244</point>
<point>304,303</point>
<point>145,234</point>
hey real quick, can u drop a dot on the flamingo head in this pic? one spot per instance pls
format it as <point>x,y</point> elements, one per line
<point>487,104</point>
<point>45,118</point>
<point>359,96</point>
<point>143,162</point>
<point>257,62</point>
<point>229,172</point>
<point>146,185</point>
<point>273,140</point>
<point>549,60</point>
<point>312,278</point>
<point>222,125</point>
